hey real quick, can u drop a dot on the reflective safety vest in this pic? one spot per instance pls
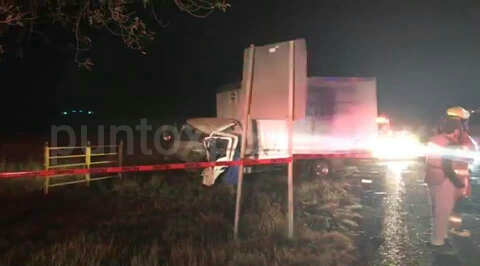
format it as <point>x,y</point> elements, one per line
<point>439,145</point>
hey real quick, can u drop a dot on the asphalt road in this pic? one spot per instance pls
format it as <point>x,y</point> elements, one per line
<point>397,222</point>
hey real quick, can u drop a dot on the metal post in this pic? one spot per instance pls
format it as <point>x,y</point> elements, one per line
<point>246,117</point>
<point>46,166</point>
<point>120,156</point>
<point>88,158</point>
<point>290,136</point>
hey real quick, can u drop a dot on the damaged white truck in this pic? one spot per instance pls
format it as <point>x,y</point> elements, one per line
<point>340,119</point>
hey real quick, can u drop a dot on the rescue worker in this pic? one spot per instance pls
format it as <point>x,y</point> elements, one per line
<point>443,184</point>
<point>467,144</point>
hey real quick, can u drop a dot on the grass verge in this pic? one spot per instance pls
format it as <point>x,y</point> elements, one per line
<point>173,220</point>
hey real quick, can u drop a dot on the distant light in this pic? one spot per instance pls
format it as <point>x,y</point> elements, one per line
<point>81,111</point>
<point>90,112</point>
<point>74,111</point>
<point>64,113</point>
<point>382,120</point>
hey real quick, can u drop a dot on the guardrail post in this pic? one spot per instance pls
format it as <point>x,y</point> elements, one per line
<point>46,166</point>
<point>120,156</point>
<point>88,160</point>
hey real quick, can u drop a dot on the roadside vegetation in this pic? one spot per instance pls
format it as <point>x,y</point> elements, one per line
<point>171,219</point>
<point>73,26</point>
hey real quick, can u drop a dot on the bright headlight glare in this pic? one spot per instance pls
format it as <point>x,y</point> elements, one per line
<point>404,147</point>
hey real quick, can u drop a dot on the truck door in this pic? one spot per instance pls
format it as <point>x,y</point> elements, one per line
<point>220,147</point>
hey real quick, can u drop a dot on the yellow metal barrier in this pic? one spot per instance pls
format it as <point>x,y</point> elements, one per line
<point>87,158</point>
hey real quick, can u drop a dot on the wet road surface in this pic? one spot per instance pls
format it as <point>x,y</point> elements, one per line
<point>397,222</point>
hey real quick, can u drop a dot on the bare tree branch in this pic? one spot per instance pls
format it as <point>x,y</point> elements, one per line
<point>115,16</point>
<point>156,18</point>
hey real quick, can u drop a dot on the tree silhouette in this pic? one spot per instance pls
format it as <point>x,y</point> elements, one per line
<point>122,18</point>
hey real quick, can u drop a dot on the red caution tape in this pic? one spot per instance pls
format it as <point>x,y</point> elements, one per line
<point>177,166</point>
<point>350,155</point>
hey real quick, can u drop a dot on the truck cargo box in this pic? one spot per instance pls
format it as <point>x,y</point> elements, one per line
<point>341,114</point>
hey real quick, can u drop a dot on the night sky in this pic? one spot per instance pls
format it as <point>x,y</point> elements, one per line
<point>425,58</point>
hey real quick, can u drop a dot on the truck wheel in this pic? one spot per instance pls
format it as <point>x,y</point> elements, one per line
<point>321,169</point>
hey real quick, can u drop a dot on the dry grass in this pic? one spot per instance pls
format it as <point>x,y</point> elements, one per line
<point>12,187</point>
<point>173,220</point>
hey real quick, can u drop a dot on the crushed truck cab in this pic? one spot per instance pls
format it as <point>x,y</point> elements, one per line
<point>341,117</point>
